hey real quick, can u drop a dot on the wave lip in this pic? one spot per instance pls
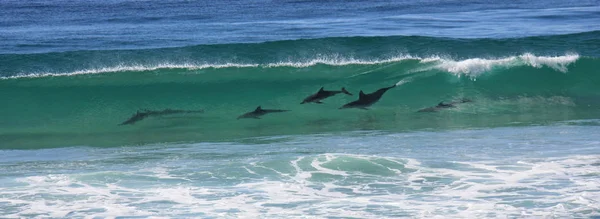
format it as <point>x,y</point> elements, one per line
<point>477,66</point>
<point>125,68</point>
<point>558,63</point>
<point>336,60</point>
<point>340,61</point>
<point>471,67</point>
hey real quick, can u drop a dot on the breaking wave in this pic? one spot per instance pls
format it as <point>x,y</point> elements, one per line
<point>84,94</point>
<point>471,67</point>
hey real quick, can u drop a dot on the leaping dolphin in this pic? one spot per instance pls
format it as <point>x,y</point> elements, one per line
<point>140,115</point>
<point>443,105</point>
<point>323,94</point>
<point>258,112</point>
<point>366,100</point>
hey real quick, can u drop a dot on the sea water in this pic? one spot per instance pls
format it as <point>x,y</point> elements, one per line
<point>527,146</point>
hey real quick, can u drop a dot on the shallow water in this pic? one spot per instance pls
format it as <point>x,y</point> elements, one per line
<point>539,171</point>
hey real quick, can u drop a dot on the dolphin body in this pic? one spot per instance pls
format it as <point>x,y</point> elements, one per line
<point>140,115</point>
<point>366,100</point>
<point>258,112</point>
<point>323,94</point>
<point>443,105</point>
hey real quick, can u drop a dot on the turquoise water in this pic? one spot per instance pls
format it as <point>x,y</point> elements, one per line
<point>526,146</point>
<point>81,97</point>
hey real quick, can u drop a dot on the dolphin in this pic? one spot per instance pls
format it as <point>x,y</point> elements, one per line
<point>438,107</point>
<point>442,105</point>
<point>366,100</point>
<point>323,94</point>
<point>140,115</point>
<point>258,112</point>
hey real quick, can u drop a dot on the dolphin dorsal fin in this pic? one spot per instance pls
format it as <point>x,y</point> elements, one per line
<point>258,108</point>
<point>321,90</point>
<point>361,94</point>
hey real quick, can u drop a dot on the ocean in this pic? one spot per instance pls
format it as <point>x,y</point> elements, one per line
<point>510,90</point>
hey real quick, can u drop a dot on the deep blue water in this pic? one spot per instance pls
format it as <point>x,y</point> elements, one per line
<point>45,26</point>
<point>526,147</point>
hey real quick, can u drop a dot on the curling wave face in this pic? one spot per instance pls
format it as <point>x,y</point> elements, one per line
<point>71,98</point>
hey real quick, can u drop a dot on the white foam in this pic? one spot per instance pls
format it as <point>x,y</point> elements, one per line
<point>126,68</point>
<point>556,187</point>
<point>558,63</point>
<point>470,195</point>
<point>339,61</point>
<point>476,66</point>
<point>491,173</point>
<point>333,60</point>
<point>471,67</point>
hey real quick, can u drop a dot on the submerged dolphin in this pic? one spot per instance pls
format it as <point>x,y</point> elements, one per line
<point>140,115</point>
<point>258,112</point>
<point>443,105</point>
<point>366,100</point>
<point>323,94</point>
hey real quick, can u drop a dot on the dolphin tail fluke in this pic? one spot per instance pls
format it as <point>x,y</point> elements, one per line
<point>345,91</point>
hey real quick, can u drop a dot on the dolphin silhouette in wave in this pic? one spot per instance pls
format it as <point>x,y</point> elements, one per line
<point>258,112</point>
<point>366,100</point>
<point>323,94</point>
<point>442,105</point>
<point>141,115</point>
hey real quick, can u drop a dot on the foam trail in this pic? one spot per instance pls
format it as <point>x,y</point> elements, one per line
<point>403,81</point>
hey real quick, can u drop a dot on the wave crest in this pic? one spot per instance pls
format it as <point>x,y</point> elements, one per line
<point>340,61</point>
<point>126,68</point>
<point>472,67</point>
<point>477,66</point>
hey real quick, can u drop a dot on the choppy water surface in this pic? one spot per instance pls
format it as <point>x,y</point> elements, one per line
<point>543,171</point>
